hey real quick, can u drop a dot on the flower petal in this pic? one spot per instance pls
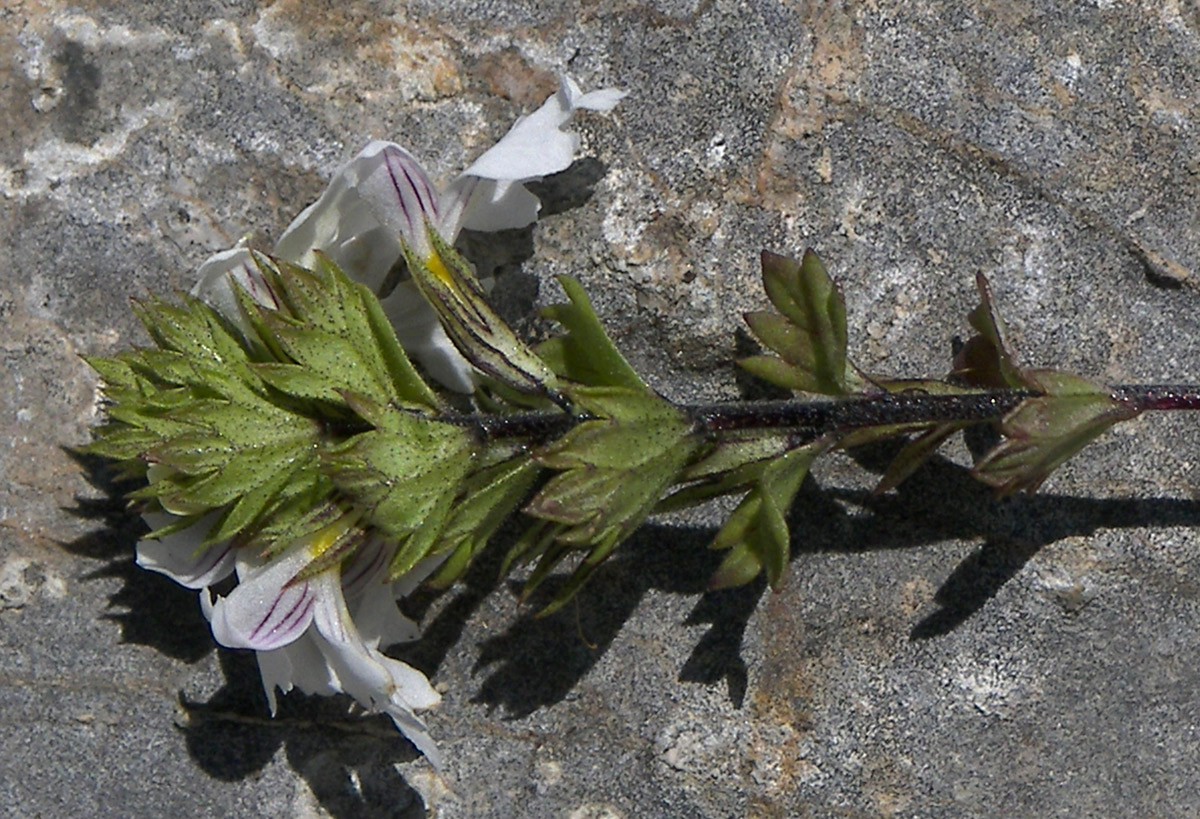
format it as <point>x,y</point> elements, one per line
<point>374,199</point>
<point>372,600</point>
<point>217,275</point>
<point>180,557</point>
<point>536,146</point>
<point>377,682</point>
<point>500,205</point>
<point>379,620</point>
<point>266,610</point>
<point>300,664</point>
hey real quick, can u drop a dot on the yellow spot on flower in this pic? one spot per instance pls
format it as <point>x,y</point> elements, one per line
<point>438,268</point>
<point>329,536</point>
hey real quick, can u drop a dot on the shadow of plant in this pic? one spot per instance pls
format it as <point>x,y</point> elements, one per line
<point>536,662</point>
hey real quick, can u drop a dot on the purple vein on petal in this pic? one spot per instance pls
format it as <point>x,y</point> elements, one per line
<point>418,188</point>
<point>403,207</point>
<point>212,557</point>
<point>362,569</point>
<point>271,626</point>
<point>257,283</point>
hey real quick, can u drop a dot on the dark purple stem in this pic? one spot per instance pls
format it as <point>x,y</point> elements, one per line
<point>1159,396</point>
<point>809,419</point>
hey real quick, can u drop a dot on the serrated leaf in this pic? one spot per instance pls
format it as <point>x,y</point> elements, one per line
<point>115,372</point>
<point>615,469</point>
<point>251,467</point>
<point>192,453</point>
<point>532,542</point>
<point>585,354</point>
<point>487,498</point>
<point>401,473</point>
<point>247,508</point>
<point>121,443</point>
<point>632,434</point>
<point>740,565</point>
<point>332,357</point>
<point>915,453</point>
<point>810,331</point>
<point>419,544</point>
<point>757,530</point>
<point>299,382</point>
<point>731,468</point>
<point>407,383</point>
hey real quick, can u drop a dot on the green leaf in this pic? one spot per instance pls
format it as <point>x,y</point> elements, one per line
<point>808,333</point>
<point>121,443</point>
<point>192,453</point>
<point>731,467</point>
<point>740,565</point>
<point>300,382</point>
<point>757,531</point>
<point>401,472</point>
<point>1043,432</point>
<point>915,453</point>
<point>252,504</point>
<point>408,384</point>
<point>333,358</point>
<point>585,354</point>
<point>115,372</point>
<point>777,372</point>
<point>419,543</point>
<point>533,542</point>
<point>634,428</point>
<point>614,471</point>
<point>487,499</point>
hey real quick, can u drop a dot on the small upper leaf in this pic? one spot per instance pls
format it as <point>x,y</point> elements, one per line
<point>585,354</point>
<point>985,360</point>
<point>757,533</point>
<point>808,332</point>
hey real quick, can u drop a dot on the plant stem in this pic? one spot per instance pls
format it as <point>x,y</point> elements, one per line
<point>811,418</point>
<point>1164,397</point>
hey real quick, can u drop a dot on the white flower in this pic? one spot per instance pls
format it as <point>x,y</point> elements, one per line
<point>321,635</point>
<point>324,634</point>
<point>383,197</point>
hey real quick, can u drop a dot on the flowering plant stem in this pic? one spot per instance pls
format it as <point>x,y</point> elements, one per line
<point>310,451</point>
<point>803,420</point>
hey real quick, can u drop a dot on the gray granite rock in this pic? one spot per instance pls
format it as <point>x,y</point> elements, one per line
<point>934,653</point>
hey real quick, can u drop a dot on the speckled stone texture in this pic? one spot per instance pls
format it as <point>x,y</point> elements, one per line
<point>934,653</point>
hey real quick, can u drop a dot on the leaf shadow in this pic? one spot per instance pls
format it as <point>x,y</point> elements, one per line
<point>943,501</point>
<point>538,660</point>
<point>535,663</point>
<point>349,762</point>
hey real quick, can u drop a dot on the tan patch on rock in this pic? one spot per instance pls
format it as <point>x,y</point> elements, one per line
<point>808,98</point>
<point>507,74</point>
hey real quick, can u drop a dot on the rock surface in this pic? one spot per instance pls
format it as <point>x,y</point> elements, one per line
<point>934,653</point>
